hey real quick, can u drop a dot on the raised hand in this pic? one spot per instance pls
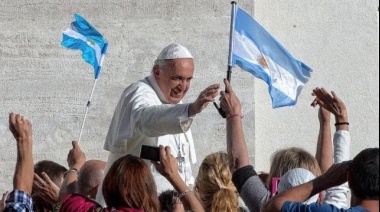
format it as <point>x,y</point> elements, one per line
<point>168,165</point>
<point>205,97</point>
<point>229,102</point>
<point>76,158</point>
<point>20,127</point>
<point>332,103</point>
<point>45,188</point>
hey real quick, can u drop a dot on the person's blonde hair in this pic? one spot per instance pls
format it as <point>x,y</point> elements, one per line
<point>284,160</point>
<point>214,184</point>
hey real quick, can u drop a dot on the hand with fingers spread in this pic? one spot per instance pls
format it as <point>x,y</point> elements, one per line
<point>45,189</point>
<point>205,97</point>
<point>331,102</point>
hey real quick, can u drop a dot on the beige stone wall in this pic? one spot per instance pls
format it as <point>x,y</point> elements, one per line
<point>51,85</point>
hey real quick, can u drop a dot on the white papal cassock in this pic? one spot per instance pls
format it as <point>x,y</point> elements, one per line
<point>143,116</point>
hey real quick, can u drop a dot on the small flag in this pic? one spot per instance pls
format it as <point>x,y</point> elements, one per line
<point>81,35</point>
<point>256,51</point>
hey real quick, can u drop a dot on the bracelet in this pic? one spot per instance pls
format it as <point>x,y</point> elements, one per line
<point>183,194</point>
<point>71,170</point>
<point>231,116</point>
<point>342,123</point>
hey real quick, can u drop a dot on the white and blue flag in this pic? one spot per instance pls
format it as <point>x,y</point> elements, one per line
<point>256,51</point>
<point>81,35</point>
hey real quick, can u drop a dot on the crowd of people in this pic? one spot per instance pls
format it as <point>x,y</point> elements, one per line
<point>151,112</point>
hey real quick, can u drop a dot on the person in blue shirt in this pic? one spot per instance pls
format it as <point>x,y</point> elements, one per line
<point>362,174</point>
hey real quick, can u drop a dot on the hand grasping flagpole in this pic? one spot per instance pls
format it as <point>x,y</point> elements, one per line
<point>81,35</point>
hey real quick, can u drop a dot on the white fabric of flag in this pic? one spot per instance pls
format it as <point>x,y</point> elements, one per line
<point>81,35</point>
<point>256,51</point>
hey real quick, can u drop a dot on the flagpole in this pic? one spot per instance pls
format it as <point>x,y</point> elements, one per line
<point>87,108</point>
<point>230,48</point>
<point>89,100</point>
<point>231,43</point>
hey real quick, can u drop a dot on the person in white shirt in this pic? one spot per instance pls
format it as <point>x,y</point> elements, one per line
<point>151,112</point>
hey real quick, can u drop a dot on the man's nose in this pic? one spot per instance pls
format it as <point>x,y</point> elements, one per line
<point>185,84</point>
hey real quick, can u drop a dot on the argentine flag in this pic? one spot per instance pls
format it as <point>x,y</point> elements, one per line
<point>81,35</point>
<point>256,51</point>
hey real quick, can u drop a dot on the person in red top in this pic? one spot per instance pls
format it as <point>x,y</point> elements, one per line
<point>129,185</point>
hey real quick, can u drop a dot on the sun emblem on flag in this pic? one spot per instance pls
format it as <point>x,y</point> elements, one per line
<point>262,62</point>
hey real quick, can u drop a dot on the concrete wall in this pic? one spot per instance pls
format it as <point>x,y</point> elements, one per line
<point>51,85</point>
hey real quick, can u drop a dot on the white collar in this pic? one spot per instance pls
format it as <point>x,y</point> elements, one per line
<point>156,88</point>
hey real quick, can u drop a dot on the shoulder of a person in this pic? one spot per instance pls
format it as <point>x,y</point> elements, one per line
<point>299,206</point>
<point>76,201</point>
<point>139,86</point>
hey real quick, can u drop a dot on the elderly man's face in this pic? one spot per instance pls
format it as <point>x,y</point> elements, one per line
<point>174,79</point>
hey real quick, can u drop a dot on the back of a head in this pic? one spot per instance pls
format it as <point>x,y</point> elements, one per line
<point>364,175</point>
<point>56,173</point>
<point>130,184</point>
<point>214,184</point>
<point>54,170</point>
<point>295,177</point>
<point>90,176</point>
<point>286,159</point>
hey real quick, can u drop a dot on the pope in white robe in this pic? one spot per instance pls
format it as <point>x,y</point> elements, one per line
<point>151,112</point>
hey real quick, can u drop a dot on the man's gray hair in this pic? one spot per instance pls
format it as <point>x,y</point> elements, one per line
<point>162,63</point>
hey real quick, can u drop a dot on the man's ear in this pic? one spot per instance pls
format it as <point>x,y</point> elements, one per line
<point>156,71</point>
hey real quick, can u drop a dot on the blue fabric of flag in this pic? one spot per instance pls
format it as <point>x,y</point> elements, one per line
<point>83,36</point>
<point>256,51</point>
